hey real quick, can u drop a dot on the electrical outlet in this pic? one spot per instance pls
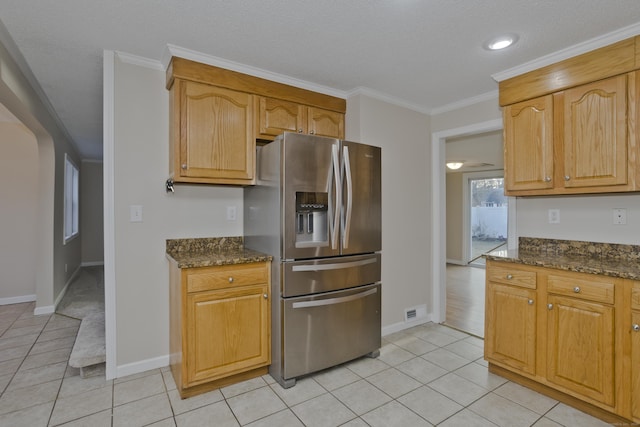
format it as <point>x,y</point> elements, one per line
<point>554,216</point>
<point>619,216</point>
<point>231,213</point>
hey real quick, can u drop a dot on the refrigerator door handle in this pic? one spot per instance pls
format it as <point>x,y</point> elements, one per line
<point>346,225</point>
<point>334,223</point>
<point>334,266</point>
<point>332,301</point>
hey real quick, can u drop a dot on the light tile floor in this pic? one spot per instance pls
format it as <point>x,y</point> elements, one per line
<point>427,375</point>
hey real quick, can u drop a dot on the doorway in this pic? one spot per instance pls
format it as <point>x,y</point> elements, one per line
<point>487,211</point>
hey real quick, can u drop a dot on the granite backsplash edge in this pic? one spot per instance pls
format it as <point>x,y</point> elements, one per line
<point>608,251</point>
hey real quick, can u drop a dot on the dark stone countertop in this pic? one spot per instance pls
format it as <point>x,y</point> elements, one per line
<point>584,257</point>
<point>209,252</point>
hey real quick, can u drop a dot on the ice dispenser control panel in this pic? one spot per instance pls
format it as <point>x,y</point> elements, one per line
<point>311,219</point>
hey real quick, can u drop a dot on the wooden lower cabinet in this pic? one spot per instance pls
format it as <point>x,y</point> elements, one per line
<point>510,338</point>
<point>220,325</point>
<point>580,347</point>
<point>571,337</point>
<point>635,364</point>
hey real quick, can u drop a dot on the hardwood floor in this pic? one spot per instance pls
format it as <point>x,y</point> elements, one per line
<point>465,299</point>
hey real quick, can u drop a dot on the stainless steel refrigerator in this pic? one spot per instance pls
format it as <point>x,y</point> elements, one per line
<point>316,208</point>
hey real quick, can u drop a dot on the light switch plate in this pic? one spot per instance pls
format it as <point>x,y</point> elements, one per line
<point>135,213</point>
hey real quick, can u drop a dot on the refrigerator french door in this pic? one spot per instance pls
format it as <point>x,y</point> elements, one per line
<point>316,210</point>
<point>331,197</point>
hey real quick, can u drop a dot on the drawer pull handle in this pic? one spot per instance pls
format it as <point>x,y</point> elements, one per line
<point>550,306</point>
<point>509,276</point>
<point>265,296</point>
<point>530,302</point>
<point>636,327</point>
<point>230,279</point>
<point>576,289</point>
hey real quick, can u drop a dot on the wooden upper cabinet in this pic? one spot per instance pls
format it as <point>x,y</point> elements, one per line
<point>276,116</point>
<point>214,127</point>
<point>528,144</point>
<point>217,115</point>
<point>595,134</point>
<point>583,110</point>
<point>325,123</point>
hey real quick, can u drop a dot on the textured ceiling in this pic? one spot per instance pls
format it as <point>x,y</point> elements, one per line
<point>425,54</point>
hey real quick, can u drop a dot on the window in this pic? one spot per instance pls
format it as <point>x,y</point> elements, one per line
<point>71,211</point>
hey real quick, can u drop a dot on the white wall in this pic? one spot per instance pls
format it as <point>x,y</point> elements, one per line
<point>25,102</point>
<point>19,196</point>
<point>454,217</point>
<point>403,135</point>
<point>141,166</point>
<point>91,207</point>
<point>587,218</point>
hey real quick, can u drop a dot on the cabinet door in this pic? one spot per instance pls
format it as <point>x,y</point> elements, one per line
<point>510,327</point>
<point>595,134</point>
<point>635,364</point>
<point>580,347</point>
<point>528,144</point>
<point>276,116</point>
<point>227,332</point>
<point>325,123</point>
<point>216,133</point>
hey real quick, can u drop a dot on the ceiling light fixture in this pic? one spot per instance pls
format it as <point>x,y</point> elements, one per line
<point>454,165</point>
<point>500,42</point>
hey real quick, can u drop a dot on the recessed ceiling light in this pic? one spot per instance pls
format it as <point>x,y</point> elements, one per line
<point>500,42</point>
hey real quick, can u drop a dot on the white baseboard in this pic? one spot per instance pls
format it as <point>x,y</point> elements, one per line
<point>17,300</point>
<point>47,309</point>
<point>397,327</point>
<point>91,263</point>
<point>141,366</point>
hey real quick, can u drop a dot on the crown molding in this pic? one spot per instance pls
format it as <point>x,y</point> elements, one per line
<point>140,61</point>
<point>172,50</point>
<point>570,52</point>
<point>466,102</point>
<point>371,93</point>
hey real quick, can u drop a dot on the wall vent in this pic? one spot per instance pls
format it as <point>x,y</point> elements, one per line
<point>413,314</point>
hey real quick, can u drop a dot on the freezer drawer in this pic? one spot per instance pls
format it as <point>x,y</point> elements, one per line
<point>325,330</point>
<point>329,274</point>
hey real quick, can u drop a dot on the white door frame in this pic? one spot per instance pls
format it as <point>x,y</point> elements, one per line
<point>438,210</point>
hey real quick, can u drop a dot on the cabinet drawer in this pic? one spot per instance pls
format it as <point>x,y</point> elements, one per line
<point>208,278</point>
<point>635,296</point>
<point>512,276</point>
<point>589,289</point>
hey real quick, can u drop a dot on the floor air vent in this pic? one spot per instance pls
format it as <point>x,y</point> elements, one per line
<point>414,314</point>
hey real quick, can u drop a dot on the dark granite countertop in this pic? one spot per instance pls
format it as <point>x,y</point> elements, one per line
<point>208,252</point>
<point>585,257</point>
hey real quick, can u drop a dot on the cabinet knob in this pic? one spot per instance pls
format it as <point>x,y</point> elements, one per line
<point>509,276</point>
<point>300,130</point>
<point>530,302</point>
<point>567,177</point>
<point>230,279</point>
<point>265,296</point>
<point>550,306</point>
<point>636,327</point>
<point>184,166</point>
<point>576,289</point>
<point>547,179</point>
<point>313,132</point>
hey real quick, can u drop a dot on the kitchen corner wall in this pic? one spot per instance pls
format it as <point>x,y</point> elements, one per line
<point>140,169</point>
<point>403,135</point>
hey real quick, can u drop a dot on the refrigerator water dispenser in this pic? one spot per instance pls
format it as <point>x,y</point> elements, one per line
<point>311,219</point>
